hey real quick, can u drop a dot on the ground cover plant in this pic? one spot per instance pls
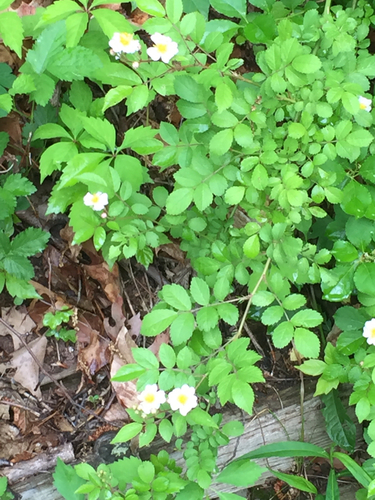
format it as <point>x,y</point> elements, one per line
<point>267,184</point>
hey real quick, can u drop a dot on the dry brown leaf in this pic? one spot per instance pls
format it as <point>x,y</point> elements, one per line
<point>135,324</point>
<point>116,413</point>
<point>67,235</point>
<point>20,320</point>
<point>27,373</point>
<point>95,355</point>
<point>117,316</point>
<point>162,338</point>
<point>126,392</point>
<point>108,279</point>
<point>173,250</point>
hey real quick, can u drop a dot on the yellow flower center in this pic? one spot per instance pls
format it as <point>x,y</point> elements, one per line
<point>95,198</point>
<point>162,47</point>
<point>372,333</point>
<point>182,398</point>
<point>362,105</point>
<point>126,38</point>
<point>150,398</point>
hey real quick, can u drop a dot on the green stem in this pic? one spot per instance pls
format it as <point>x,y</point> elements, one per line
<point>327,7</point>
<point>263,275</point>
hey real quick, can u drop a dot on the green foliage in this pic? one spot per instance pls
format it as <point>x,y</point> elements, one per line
<point>270,187</point>
<point>54,322</point>
<point>4,494</point>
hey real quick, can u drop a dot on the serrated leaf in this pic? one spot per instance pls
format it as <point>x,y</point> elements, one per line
<point>272,315</point>
<point>11,30</point>
<point>116,95</point>
<point>307,63</point>
<point>263,298</point>
<point>167,356</point>
<point>128,372</point>
<point>307,343</point>
<point>182,328</point>
<point>157,321</point>
<point>221,142</point>
<point>207,318</point>
<point>174,10</point>
<point>30,242</point>
<point>145,358</point>
<point>200,291</point>
<point>166,430</point>
<point>307,318</point>
<point>177,297</point>
<point>179,200</point>
<point>66,481</point>
<point>282,334</point>
<point>251,247</point>
<point>127,433</point>
<point>243,395</point>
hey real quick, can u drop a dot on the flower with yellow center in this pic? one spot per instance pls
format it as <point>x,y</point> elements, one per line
<point>369,331</point>
<point>124,42</point>
<point>364,103</point>
<point>164,48</point>
<point>97,200</point>
<point>183,399</point>
<point>151,399</point>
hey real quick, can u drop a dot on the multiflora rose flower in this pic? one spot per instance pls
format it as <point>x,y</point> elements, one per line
<point>369,331</point>
<point>365,103</point>
<point>96,201</point>
<point>183,399</point>
<point>124,42</point>
<point>151,399</point>
<point>164,48</point>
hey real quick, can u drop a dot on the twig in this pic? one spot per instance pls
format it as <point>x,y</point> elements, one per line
<point>17,405</point>
<point>44,371</point>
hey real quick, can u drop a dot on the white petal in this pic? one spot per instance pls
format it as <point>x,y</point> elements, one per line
<point>153,53</point>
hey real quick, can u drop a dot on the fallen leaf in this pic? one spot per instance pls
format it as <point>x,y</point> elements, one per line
<point>116,413</point>
<point>117,317</point>
<point>20,320</point>
<point>27,373</point>
<point>126,392</point>
<point>108,279</point>
<point>162,338</point>
<point>135,324</point>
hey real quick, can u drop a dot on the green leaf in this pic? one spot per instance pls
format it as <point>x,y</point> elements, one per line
<point>287,449</point>
<point>282,334</point>
<point>99,237</point>
<point>146,471</point>
<point>76,25</point>
<point>189,89</point>
<point>116,95</point>
<point>182,328</point>
<point>360,138</point>
<point>251,247</point>
<point>349,318</point>
<point>313,367</point>
<point>145,358</point>
<point>20,288</point>
<point>202,197</point>
<point>233,428</point>
<point>200,417</point>
<point>240,473</point>
<point>55,156</point>
<point>340,428</point>
<point>362,409</point>
<point>174,10</point>
<point>234,195</point>
<point>207,318</point>
<point>296,130</point>
<point>66,481</point>
<point>356,470</point>
<point>111,22</point>
<point>263,298</point>
<point>128,372</point>
<point>364,278</point>
<point>177,297</point>
<point>11,31</point>
<point>59,10</point>
<point>30,241</point>
<point>307,63</point>
<point>127,433</point>
<point>307,343</point>
<point>138,99</point>
<point>179,200</point>
<point>223,97</point>
<point>228,313</point>
<point>230,8</point>
<point>157,321</point>
<point>261,29</point>
<point>307,318</point>
<point>293,302</point>
<point>50,131</point>
<point>332,490</point>
<point>243,395</point>
<point>47,45</point>
<point>272,315</point>
<point>101,130</point>
<point>166,430</point>
<point>297,482</point>
<point>200,291</point>
<point>18,265</point>
<point>152,7</point>
<point>243,135</point>
<point>167,356</point>
<point>221,142</point>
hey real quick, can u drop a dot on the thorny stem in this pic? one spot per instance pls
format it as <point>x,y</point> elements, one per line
<point>263,275</point>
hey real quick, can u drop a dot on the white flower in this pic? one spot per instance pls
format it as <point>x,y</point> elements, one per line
<point>163,49</point>
<point>369,331</point>
<point>151,399</point>
<point>97,200</point>
<point>124,42</point>
<point>364,103</point>
<point>183,399</point>
<point>135,64</point>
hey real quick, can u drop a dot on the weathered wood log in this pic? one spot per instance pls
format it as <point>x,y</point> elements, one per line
<point>277,417</point>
